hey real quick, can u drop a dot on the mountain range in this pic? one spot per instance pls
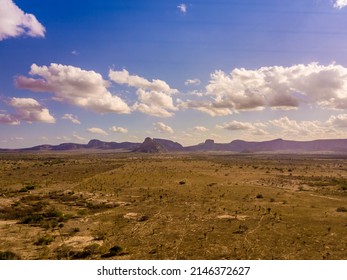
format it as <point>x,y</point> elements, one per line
<point>157,145</point>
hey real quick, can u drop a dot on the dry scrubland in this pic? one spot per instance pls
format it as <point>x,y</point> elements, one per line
<point>132,206</point>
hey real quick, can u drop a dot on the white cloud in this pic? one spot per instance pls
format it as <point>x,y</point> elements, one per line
<point>235,125</point>
<point>339,4</point>
<point>302,129</point>
<point>63,138</point>
<point>30,110</point>
<point>97,130</point>
<point>192,82</point>
<point>123,77</point>
<point>8,119</point>
<point>14,22</point>
<point>71,118</point>
<point>154,98</point>
<point>78,137</point>
<point>205,106</point>
<point>201,129</point>
<point>339,121</point>
<point>182,7</point>
<point>86,89</point>
<point>161,127</point>
<point>27,109</point>
<point>334,127</point>
<point>154,103</point>
<point>119,129</point>
<point>258,129</point>
<point>274,87</point>
<point>295,126</point>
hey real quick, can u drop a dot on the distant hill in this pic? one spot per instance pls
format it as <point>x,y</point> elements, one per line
<point>97,144</point>
<point>158,145</point>
<point>151,146</point>
<point>277,145</point>
<point>92,144</point>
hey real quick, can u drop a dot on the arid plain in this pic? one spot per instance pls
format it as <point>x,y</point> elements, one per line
<point>108,205</point>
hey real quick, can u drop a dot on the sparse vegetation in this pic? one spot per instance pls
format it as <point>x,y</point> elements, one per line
<point>201,206</point>
<point>8,255</point>
<point>341,209</point>
<point>113,251</point>
<point>44,240</point>
<point>27,188</point>
<point>259,196</point>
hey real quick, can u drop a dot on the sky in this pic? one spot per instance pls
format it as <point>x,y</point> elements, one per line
<point>72,71</point>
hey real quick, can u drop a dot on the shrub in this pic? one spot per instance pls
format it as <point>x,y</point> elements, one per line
<point>44,240</point>
<point>114,251</point>
<point>341,209</point>
<point>8,255</point>
<point>259,195</point>
<point>27,188</point>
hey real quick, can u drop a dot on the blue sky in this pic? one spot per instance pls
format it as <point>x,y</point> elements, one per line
<point>71,71</point>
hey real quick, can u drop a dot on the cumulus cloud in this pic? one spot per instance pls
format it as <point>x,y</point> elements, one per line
<point>182,7</point>
<point>299,127</point>
<point>9,119</point>
<point>339,121</point>
<point>235,125</point>
<point>123,77</point>
<point>97,130</point>
<point>72,118</point>
<point>200,129</point>
<point>163,128</point>
<point>275,87</point>
<point>14,22</point>
<point>333,127</point>
<point>304,129</point>
<point>118,129</point>
<point>69,84</point>
<point>26,109</point>
<point>154,103</point>
<point>339,4</point>
<point>154,97</point>
<point>192,82</point>
<point>259,129</point>
<point>207,107</point>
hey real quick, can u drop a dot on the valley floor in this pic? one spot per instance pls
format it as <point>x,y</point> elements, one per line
<point>172,206</point>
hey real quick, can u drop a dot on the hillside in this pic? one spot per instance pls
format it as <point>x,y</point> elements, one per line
<point>150,146</point>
